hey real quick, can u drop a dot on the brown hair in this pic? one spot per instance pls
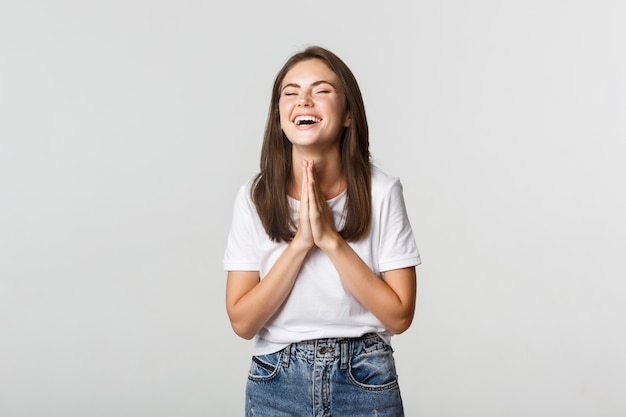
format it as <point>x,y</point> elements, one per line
<point>269,191</point>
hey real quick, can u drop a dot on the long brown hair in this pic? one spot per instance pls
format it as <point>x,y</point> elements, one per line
<point>269,191</point>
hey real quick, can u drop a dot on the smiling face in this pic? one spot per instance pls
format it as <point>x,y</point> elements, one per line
<point>312,105</point>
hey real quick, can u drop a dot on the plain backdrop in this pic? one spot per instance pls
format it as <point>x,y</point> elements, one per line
<point>126,128</point>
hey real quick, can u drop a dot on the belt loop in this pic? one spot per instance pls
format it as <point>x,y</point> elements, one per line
<point>285,356</point>
<point>345,356</point>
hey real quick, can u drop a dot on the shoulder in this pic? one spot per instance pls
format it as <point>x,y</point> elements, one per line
<point>244,194</point>
<point>382,181</point>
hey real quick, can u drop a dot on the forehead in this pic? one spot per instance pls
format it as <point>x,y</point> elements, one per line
<point>310,71</point>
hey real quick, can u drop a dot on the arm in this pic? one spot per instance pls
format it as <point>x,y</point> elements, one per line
<point>392,298</point>
<point>252,301</point>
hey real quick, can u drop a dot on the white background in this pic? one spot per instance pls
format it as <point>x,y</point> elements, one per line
<point>126,128</point>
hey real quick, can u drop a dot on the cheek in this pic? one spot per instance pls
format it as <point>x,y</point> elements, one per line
<point>283,122</point>
<point>283,115</point>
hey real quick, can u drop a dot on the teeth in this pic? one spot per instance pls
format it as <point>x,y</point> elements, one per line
<point>307,120</point>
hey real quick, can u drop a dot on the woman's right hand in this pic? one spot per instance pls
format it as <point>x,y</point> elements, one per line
<point>304,233</point>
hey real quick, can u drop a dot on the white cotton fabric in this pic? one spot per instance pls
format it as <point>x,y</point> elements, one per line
<point>318,305</point>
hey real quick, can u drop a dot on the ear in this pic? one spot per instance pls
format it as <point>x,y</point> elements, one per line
<point>347,121</point>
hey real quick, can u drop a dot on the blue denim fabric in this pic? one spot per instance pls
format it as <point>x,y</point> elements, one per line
<point>351,377</point>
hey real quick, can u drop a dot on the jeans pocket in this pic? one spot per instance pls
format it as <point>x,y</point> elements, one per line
<point>265,367</point>
<point>374,371</point>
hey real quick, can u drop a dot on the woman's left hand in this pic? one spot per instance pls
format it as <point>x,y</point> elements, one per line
<point>320,215</point>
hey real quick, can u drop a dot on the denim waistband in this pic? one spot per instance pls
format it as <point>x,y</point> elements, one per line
<point>329,349</point>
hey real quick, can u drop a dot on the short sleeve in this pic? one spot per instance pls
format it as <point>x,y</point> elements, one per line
<point>397,246</point>
<point>241,253</point>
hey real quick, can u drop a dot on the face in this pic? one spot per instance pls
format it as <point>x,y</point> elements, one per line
<point>312,105</point>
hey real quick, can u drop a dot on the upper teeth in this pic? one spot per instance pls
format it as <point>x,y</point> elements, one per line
<point>301,119</point>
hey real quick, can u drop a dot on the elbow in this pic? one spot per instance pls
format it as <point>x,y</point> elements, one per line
<point>243,331</point>
<point>245,335</point>
<point>242,327</point>
<point>401,325</point>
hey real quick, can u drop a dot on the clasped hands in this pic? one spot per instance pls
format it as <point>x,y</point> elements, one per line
<point>317,226</point>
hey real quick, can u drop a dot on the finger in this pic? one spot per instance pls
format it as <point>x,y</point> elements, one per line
<point>304,227</point>
<point>305,196</point>
<point>304,186</point>
<point>318,207</point>
<point>311,184</point>
<point>317,191</point>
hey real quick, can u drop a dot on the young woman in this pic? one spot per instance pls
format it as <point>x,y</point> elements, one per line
<point>320,256</point>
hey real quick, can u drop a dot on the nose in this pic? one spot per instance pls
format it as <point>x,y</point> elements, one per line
<point>304,100</point>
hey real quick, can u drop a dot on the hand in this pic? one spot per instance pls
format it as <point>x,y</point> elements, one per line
<point>304,234</point>
<point>322,224</point>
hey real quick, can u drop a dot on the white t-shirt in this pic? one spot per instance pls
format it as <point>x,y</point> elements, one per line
<point>318,305</point>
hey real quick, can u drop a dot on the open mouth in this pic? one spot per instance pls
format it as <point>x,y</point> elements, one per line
<point>306,120</point>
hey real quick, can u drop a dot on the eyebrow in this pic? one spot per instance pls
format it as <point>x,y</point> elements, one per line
<point>315,84</point>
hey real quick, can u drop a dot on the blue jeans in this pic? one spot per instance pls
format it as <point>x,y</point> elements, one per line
<point>339,377</point>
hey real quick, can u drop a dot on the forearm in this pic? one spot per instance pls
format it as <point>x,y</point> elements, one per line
<point>250,307</point>
<point>393,305</point>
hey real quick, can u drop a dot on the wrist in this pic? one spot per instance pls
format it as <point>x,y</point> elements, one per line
<point>330,243</point>
<point>300,245</point>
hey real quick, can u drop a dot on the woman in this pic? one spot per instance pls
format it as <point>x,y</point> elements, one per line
<point>321,256</point>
